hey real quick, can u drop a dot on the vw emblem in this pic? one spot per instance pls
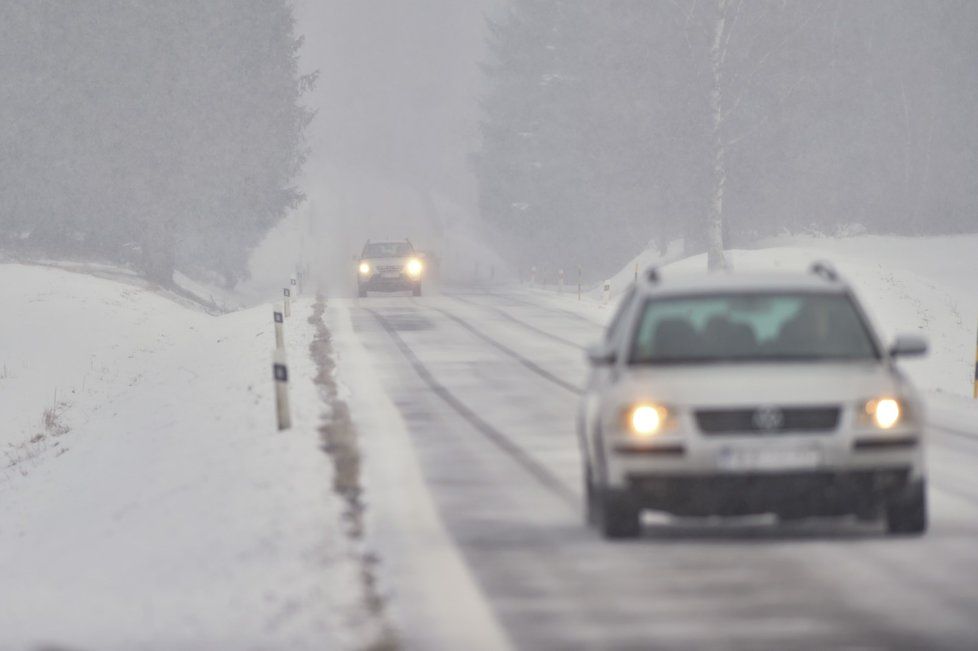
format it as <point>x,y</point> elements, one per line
<point>768,419</point>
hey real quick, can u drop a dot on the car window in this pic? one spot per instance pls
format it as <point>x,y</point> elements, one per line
<point>387,250</point>
<point>762,327</point>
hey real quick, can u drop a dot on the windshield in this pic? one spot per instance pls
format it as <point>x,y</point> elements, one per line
<point>387,250</point>
<point>760,327</point>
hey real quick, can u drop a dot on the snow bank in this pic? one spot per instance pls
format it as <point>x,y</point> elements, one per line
<point>164,511</point>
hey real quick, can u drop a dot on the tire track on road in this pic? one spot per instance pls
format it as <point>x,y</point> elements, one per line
<point>510,317</point>
<point>542,306</point>
<point>537,470</point>
<point>525,361</point>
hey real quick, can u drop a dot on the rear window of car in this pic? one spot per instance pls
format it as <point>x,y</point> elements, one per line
<point>387,250</point>
<point>751,327</point>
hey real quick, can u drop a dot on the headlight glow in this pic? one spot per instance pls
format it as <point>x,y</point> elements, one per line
<point>414,267</point>
<point>364,268</point>
<point>646,420</point>
<point>885,412</point>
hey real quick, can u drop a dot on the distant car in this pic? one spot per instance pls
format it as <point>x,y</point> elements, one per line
<point>389,267</point>
<point>735,394</point>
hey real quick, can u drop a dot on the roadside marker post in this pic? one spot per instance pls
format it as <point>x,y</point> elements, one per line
<point>560,281</point>
<point>976,369</point>
<point>580,281</point>
<point>280,373</point>
<point>636,273</point>
<point>533,276</point>
<point>288,302</point>
<point>607,293</point>
<point>294,282</point>
<point>279,335</point>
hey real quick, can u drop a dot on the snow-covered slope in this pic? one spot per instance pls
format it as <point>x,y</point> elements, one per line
<point>158,507</point>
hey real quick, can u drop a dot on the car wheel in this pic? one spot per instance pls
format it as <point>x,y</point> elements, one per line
<point>618,515</point>
<point>417,290</point>
<point>907,513</point>
<point>361,292</point>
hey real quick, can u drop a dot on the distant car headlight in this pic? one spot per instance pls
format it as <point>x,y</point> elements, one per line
<point>364,268</point>
<point>883,413</point>
<point>646,419</point>
<point>414,267</point>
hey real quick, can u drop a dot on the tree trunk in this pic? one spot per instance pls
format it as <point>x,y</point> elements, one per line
<point>714,227</point>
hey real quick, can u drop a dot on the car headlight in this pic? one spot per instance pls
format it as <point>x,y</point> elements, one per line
<point>364,268</point>
<point>414,267</point>
<point>646,420</point>
<point>883,413</point>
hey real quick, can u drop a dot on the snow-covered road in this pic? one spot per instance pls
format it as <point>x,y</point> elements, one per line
<point>486,387</point>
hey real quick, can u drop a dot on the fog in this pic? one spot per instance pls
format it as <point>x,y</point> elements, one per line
<point>683,355</point>
<point>397,120</point>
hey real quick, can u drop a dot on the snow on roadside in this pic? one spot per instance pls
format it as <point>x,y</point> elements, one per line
<point>172,514</point>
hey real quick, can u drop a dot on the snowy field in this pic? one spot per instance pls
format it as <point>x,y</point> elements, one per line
<point>146,499</point>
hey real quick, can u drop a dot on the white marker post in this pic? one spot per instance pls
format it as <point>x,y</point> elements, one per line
<point>280,372</point>
<point>560,281</point>
<point>580,281</point>
<point>607,293</point>
<point>279,335</point>
<point>636,273</point>
<point>295,285</point>
<point>288,302</point>
<point>533,276</point>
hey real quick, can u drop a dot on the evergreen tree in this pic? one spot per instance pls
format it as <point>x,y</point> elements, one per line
<point>160,135</point>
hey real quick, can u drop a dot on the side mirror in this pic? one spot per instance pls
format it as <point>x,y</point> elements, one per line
<point>601,354</point>
<point>356,258</point>
<point>908,346</point>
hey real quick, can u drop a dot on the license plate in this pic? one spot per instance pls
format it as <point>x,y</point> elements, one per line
<point>390,275</point>
<point>735,459</point>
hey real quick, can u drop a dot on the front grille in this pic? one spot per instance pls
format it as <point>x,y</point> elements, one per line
<point>389,269</point>
<point>767,420</point>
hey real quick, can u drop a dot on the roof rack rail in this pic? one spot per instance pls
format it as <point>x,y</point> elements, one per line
<point>652,275</point>
<point>825,270</point>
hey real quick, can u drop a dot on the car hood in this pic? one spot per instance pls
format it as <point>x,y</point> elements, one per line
<point>729,385</point>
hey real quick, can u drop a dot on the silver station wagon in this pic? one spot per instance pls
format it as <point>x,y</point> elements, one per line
<point>738,394</point>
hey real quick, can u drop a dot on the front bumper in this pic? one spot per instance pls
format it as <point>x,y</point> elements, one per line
<point>687,467</point>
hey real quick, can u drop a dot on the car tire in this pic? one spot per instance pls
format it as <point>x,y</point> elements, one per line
<point>618,515</point>
<point>417,290</point>
<point>906,514</point>
<point>361,292</point>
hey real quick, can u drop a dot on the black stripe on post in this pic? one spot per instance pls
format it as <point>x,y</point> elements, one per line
<point>278,317</point>
<point>287,292</point>
<point>281,372</point>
